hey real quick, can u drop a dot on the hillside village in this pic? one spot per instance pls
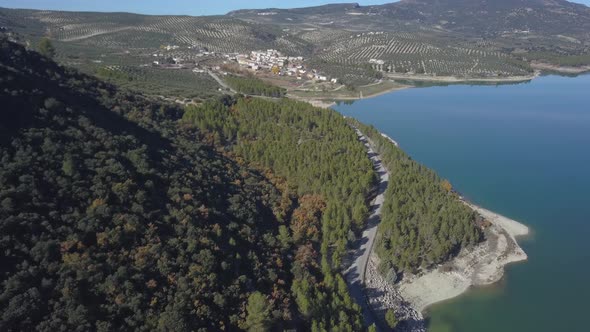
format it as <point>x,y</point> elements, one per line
<point>261,61</point>
<point>279,64</point>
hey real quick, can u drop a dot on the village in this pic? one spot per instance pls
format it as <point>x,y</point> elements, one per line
<point>262,62</point>
<point>279,64</point>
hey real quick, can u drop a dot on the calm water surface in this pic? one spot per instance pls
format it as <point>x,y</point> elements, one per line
<point>522,151</point>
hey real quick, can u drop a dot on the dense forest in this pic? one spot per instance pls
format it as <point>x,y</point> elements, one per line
<point>323,162</point>
<point>115,218</point>
<point>121,212</point>
<point>423,220</point>
<point>254,86</point>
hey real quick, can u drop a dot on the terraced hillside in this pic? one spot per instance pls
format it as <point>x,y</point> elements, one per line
<point>480,18</point>
<point>137,32</point>
<point>406,52</point>
<point>355,44</point>
<point>529,29</point>
<point>127,44</point>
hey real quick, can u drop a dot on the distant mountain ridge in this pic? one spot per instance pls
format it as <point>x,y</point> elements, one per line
<point>477,17</point>
<point>498,16</point>
<point>325,9</point>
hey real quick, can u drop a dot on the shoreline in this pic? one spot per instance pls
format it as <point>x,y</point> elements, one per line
<point>327,102</point>
<point>455,79</point>
<point>481,265</point>
<point>560,69</point>
<point>390,139</point>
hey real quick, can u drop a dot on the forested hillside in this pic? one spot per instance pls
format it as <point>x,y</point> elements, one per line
<point>423,223</point>
<point>112,218</point>
<point>118,212</point>
<point>322,161</point>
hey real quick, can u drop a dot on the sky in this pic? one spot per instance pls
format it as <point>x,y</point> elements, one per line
<point>176,7</point>
<point>172,7</point>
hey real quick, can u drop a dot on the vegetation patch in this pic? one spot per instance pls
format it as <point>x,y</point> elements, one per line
<point>254,86</point>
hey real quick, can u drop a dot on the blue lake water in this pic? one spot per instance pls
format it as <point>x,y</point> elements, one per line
<point>522,151</point>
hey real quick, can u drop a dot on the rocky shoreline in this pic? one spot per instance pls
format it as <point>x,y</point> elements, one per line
<point>478,266</point>
<point>383,295</point>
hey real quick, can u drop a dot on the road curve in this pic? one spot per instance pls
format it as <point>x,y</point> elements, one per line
<point>359,256</point>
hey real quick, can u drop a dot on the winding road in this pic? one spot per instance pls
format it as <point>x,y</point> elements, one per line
<point>362,248</point>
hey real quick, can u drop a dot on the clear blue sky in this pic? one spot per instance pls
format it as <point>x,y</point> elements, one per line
<point>186,7</point>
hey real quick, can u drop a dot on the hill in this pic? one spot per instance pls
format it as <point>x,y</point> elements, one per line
<point>128,44</point>
<point>480,18</point>
<point>492,19</point>
<point>529,29</point>
<point>113,217</point>
<point>133,31</point>
<point>122,212</point>
<point>355,44</point>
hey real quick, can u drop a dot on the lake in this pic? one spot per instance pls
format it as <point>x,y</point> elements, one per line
<point>522,151</point>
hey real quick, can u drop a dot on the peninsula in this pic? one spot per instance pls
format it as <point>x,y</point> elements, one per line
<point>478,265</point>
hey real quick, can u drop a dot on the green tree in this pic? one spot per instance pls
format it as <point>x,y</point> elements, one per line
<point>68,165</point>
<point>284,237</point>
<point>258,313</point>
<point>372,328</point>
<point>391,318</point>
<point>46,48</point>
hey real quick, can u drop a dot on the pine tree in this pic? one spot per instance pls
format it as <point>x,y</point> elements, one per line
<point>258,313</point>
